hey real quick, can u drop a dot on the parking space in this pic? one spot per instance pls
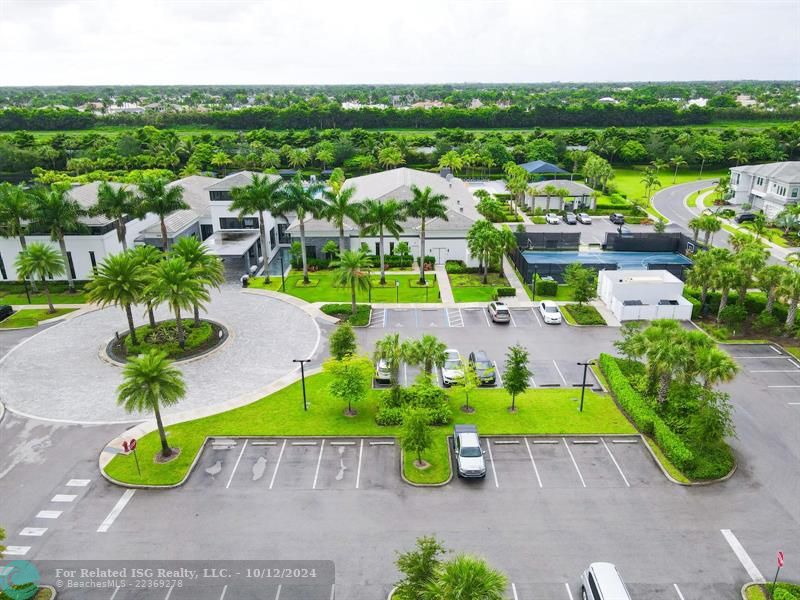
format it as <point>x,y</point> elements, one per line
<point>425,318</point>
<point>475,317</point>
<point>571,590</point>
<point>263,464</point>
<point>532,463</point>
<point>768,366</point>
<point>547,373</point>
<point>525,317</point>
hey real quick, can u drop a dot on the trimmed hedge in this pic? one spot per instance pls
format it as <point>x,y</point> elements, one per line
<point>546,287</point>
<point>344,312</point>
<point>506,291</point>
<point>456,267</point>
<point>643,416</point>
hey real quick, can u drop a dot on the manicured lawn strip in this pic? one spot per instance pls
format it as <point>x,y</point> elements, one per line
<point>582,314</point>
<point>692,199</point>
<point>474,294</point>
<point>322,288</point>
<point>564,293</point>
<point>345,313</point>
<point>437,457</point>
<point>469,287</point>
<point>551,411</point>
<point>755,592</point>
<point>30,317</point>
<point>65,298</point>
<point>793,350</point>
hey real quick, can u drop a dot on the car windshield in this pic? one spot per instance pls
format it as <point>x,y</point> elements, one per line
<point>452,364</point>
<point>502,309</point>
<point>470,452</point>
<point>483,364</point>
<point>551,309</point>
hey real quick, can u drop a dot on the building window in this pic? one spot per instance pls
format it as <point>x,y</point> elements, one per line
<point>93,260</point>
<point>222,196</point>
<point>311,252</point>
<point>377,248</point>
<point>391,247</point>
<point>71,265</point>
<point>272,238</point>
<point>760,181</point>
<point>283,237</point>
<point>795,192</point>
<point>2,268</point>
<point>234,223</point>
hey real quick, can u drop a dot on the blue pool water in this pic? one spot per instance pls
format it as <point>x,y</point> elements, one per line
<point>624,260</point>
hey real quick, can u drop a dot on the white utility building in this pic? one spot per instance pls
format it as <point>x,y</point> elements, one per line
<point>643,295</point>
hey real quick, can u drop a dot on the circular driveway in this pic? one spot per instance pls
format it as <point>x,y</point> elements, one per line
<point>59,374</point>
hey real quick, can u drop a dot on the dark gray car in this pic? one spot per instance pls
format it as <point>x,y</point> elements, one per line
<point>484,368</point>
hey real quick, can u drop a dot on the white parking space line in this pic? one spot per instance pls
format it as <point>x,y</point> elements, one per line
<point>616,464</point>
<point>774,349</point>
<point>486,315</point>
<point>33,531</point>
<point>333,591</point>
<point>48,514</point>
<point>741,554</point>
<point>277,465</point>
<point>236,465</point>
<point>278,593</point>
<point>566,445</point>
<point>115,512</point>
<point>535,316</point>
<point>63,498</point>
<point>304,443</point>
<point>358,471</point>
<point>569,591</point>
<point>770,356</point>
<point>793,363</point>
<point>514,591</point>
<point>316,473</point>
<point>497,372</point>
<point>224,591</point>
<point>405,372</point>
<point>491,460</point>
<point>114,595</point>
<point>169,593</point>
<point>793,403</point>
<point>513,322</point>
<point>533,462</point>
<point>775,371</point>
<point>263,443</point>
<point>16,550</point>
<point>783,386</point>
<point>560,374</point>
<point>678,591</point>
<point>78,482</point>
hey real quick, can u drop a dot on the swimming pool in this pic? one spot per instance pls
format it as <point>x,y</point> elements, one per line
<point>623,260</point>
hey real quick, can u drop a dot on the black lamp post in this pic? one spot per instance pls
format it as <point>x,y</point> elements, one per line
<point>283,271</point>
<point>535,275</point>
<point>27,291</point>
<point>585,366</point>
<point>302,362</point>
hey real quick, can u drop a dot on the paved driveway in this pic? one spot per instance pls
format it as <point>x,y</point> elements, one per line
<point>58,374</point>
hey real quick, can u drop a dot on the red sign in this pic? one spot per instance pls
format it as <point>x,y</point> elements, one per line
<point>132,444</point>
<point>129,446</point>
<point>780,559</point>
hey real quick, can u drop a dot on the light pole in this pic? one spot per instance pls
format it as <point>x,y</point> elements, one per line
<point>535,275</point>
<point>302,362</point>
<point>283,271</point>
<point>397,290</point>
<point>585,366</point>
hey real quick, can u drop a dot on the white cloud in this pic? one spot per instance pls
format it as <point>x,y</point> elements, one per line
<point>343,41</point>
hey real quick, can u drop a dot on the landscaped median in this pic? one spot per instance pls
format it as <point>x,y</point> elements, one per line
<point>582,314</point>
<point>31,317</point>
<point>540,411</point>
<point>768,591</point>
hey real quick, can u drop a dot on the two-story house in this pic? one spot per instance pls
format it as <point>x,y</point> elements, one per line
<point>769,188</point>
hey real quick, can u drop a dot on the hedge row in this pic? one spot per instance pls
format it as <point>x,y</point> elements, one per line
<point>754,304</point>
<point>643,416</point>
<point>546,287</point>
<point>506,291</point>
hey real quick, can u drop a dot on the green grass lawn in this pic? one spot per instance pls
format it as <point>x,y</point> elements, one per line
<point>793,350</point>
<point>322,288</point>
<point>584,314</point>
<point>564,293</point>
<point>30,317</point>
<point>13,292</point>
<point>541,411</point>
<point>469,287</point>
<point>692,199</point>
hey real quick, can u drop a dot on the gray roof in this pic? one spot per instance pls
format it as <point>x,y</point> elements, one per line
<point>540,167</point>
<point>235,180</point>
<point>573,187</point>
<point>785,172</point>
<point>195,194</point>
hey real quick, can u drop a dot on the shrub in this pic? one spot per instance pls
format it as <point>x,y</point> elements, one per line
<point>696,306</point>
<point>165,337</point>
<point>389,416</point>
<point>733,314</point>
<point>455,267</point>
<point>506,291</point>
<point>629,399</point>
<point>767,323</point>
<point>344,312</point>
<point>539,220</point>
<point>672,446</point>
<point>423,394</point>
<point>546,287</point>
<point>584,314</point>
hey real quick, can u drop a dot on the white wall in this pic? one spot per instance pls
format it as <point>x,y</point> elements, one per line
<point>221,209</point>
<point>442,247</point>
<point>650,312</point>
<point>614,293</point>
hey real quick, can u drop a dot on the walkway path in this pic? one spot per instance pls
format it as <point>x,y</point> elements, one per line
<point>445,291</point>
<point>521,297</point>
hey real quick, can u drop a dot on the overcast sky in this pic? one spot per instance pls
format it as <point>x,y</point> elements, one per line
<point>56,42</point>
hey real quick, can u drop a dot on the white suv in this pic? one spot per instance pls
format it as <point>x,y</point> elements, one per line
<point>550,313</point>
<point>453,368</point>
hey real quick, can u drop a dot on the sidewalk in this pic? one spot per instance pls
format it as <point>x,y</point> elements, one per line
<point>445,291</point>
<point>521,298</point>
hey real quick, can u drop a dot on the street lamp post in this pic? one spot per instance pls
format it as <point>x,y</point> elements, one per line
<point>283,271</point>
<point>302,362</point>
<point>535,275</point>
<point>585,366</point>
<point>397,290</point>
<point>27,291</point>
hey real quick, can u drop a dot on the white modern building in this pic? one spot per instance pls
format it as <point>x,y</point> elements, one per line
<point>579,196</point>
<point>444,239</point>
<point>769,188</point>
<point>643,295</point>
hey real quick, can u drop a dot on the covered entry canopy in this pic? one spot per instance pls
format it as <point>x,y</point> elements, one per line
<point>239,250</point>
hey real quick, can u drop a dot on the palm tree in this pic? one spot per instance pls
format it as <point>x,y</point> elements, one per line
<point>352,270</point>
<point>206,267</point>
<point>658,165</point>
<point>726,278</point>
<point>425,205</point>
<point>149,382</point>
<point>704,270</point>
<point>391,157</point>
<point>301,199</point>
<point>769,279</point>
<point>750,260</point>
<point>650,181</point>
<point>390,350</point>
<point>59,214</point>
<point>427,351</point>
<point>695,225</point>
<point>379,217</point>
<point>17,210</point>
<point>703,155</point>
<point>119,280</point>
<point>482,243</point>
<point>148,256</point>
<point>42,261</point>
<point>340,206</point>
<point>715,366</point>
<point>261,195</point>
<point>466,578</point>
<point>711,225</point>
<point>787,220</point>
<point>115,203</point>
<point>549,190</point>
<point>790,287</point>
<point>759,225</point>
<point>176,284</point>
<point>677,162</point>
<point>298,158</point>
<point>157,198</point>
<point>741,240</point>
<point>739,156</point>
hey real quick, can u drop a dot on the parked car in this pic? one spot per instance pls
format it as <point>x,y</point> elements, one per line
<point>552,219</point>
<point>601,581</point>
<point>484,368</point>
<point>617,218</point>
<point>499,313</point>
<point>744,217</point>
<point>452,369</point>
<point>550,313</point>
<point>570,218</point>
<point>382,372</point>
<point>468,451</point>
<point>584,218</point>
<point>5,311</point>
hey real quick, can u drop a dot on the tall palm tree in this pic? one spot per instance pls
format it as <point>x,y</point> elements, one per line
<point>703,271</point>
<point>741,240</point>
<point>695,225</point>
<point>425,205</point>
<point>726,278</point>
<point>119,280</point>
<point>148,256</point>
<point>42,261</point>
<point>173,282</point>
<point>339,206</point>
<point>428,352</point>
<point>59,214</point>
<point>790,288</point>
<point>739,156</point>
<point>161,200</point>
<point>466,578</point>
<point>150,382</point>
<point>116,203</point>
<point>390,350</point>
<point>301,199</point>
<point>482,243</point>
<point>391,157</point>
<point>17,210</point>
<point>206,267</point>
<point>711,225</point>
<point>677,162</point>
<point>379,217</point>
<point>261,195</point>
<point>352,270</point>
<point>650,181</point>
<point>750,260</point>
<point>715,366</point>
<point>549,191</point>
<point>703,155</point>
<point>769,279</point>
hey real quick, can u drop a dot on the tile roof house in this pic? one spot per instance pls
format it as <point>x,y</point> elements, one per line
<point>769,188</point>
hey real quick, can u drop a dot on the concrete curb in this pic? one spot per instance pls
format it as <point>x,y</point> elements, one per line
<point>50,588</point>
<point>746,586</point>
<point>689,483</point>
<point>309,308</point>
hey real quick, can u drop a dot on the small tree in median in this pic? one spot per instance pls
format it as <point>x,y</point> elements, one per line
<point>419,568</point>
<point>342,341</point>
<point>352,377</point>
<point>416,435</point>
<point>469,382</point>
<point>583,282</point>
<point>517,374</point>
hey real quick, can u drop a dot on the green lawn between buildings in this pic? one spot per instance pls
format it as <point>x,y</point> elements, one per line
<point>322,288</point>
<point>13,292</point>
<point>469,287</point>
<point>541,411</point>
<point>30,317</point>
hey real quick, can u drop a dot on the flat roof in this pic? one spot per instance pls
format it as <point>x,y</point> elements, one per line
<point>230,243</point>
